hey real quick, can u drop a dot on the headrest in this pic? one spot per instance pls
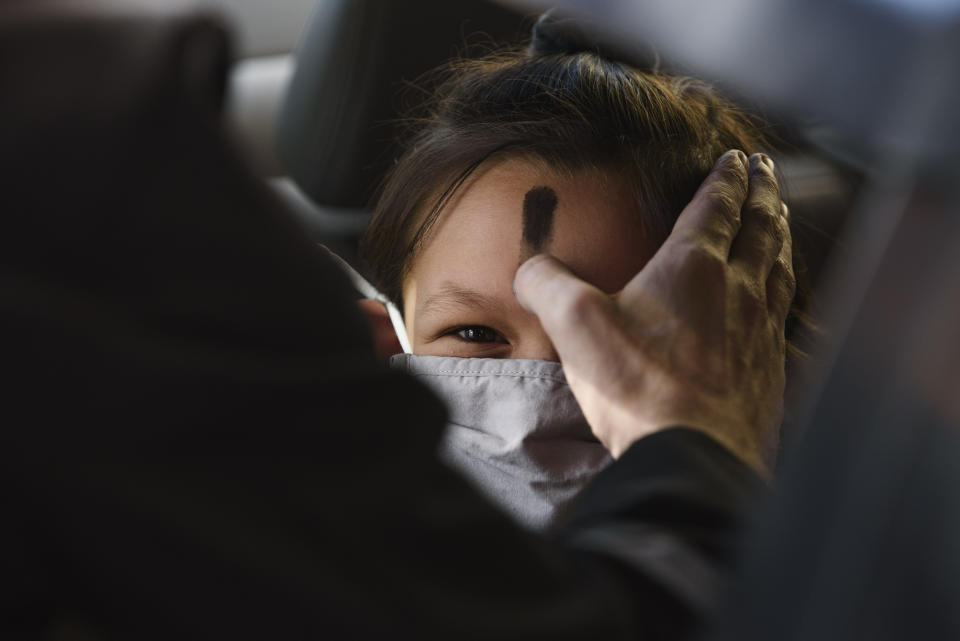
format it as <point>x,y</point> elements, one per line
<point>336,132</point>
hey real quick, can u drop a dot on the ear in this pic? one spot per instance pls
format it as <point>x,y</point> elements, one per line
<point>385,338</point>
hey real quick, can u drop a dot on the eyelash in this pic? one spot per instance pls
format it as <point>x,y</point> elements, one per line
<point>457,332</point>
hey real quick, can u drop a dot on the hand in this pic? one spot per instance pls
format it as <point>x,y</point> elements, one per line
<point>695,339</point>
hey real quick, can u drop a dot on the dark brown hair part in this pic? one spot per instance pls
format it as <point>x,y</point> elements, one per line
<point>572,111</point>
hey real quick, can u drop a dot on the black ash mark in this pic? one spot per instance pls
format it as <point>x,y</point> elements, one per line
<point>538,207</point>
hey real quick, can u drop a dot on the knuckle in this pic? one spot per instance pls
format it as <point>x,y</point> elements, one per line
<point>764,177</point>
<point>717,234</point>
<point>707,265</point>
<point>784,223</point>
<point>751,293</point>
<point>782,280</point>
<point>787,277</point>
<point>705,257</point>
<point>724,201</point>
<point>767,220</point>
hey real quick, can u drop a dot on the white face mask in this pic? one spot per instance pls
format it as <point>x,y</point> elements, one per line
<point>515,431</point>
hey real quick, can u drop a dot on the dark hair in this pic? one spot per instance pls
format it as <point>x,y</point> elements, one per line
<point>571,110</point>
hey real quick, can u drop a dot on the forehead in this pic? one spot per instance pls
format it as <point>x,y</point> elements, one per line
<point>477,241</point>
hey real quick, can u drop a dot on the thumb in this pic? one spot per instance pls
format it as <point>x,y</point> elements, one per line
<point>576,316</point>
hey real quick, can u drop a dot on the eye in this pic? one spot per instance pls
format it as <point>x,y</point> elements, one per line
<point>478,334</point>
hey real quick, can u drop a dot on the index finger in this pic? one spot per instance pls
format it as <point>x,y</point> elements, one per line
<point>713,215</point>
<point>762,226</point>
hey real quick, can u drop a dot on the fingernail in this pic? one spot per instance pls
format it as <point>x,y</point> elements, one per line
<point>767,160</point>
<point>784,210</point>
<point>730,155</point>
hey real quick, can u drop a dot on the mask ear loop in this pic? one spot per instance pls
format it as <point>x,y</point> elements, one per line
<point>368,291</point>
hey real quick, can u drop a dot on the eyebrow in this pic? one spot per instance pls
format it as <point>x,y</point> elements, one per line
<point>453,295</point>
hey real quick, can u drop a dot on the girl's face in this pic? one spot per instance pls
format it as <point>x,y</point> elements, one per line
<point>458,296</point>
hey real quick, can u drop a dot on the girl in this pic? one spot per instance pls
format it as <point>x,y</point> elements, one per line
<point>556,149</point>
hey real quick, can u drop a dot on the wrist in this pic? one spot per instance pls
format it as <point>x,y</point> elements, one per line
<point>754,451</point>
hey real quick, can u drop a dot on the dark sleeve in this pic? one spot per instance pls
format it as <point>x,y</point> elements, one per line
<point>671,513</point>
<point>197,439</point>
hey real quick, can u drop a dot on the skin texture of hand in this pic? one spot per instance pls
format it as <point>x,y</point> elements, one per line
<point>697,337</point>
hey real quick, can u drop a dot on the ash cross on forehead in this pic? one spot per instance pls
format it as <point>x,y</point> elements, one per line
<point>538,207</point>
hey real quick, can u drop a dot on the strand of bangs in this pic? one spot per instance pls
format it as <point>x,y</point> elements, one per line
<point>434,215</point>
